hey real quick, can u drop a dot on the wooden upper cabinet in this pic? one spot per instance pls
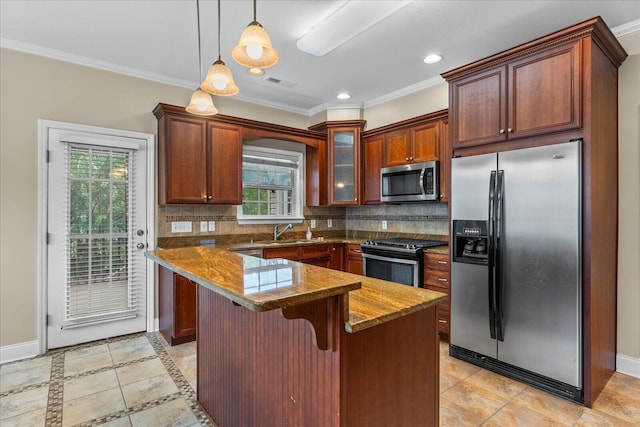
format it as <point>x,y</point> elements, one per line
<point>372,162</point>
<point>397,148</point>
<point>183,160</point>
<point>425,142</point>
<point>412,145</point>
<point>478,108</point>
<point>225,163</point>
<point>536,94</point>
<point>445,160</point>
<point>344,166</point>
<point>199,160</point>
<point>544,92</point>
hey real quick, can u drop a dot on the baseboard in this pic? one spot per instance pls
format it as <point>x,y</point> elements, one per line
<point>9,353</point>
<point>628,365</point>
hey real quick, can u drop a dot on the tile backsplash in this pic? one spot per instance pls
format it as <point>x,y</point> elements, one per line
<point>418,218</point>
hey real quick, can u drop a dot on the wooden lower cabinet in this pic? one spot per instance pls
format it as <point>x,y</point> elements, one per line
<point>177,303</point>
<point>337,256</point>
<point>437,278</point>
<point>353,259</point>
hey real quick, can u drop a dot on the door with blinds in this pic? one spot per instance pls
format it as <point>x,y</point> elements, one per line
<point>96,271</point>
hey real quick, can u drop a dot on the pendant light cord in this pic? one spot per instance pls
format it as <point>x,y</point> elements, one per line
<point>254,10</point>
<point>218,30</point>
<point>199,49</point>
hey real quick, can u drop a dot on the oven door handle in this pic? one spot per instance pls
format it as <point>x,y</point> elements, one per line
<point>389,259</point>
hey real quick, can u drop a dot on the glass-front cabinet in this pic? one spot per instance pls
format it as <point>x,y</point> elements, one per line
<point>344,178</point>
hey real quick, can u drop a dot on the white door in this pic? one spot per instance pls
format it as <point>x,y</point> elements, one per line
<point>97,235</point>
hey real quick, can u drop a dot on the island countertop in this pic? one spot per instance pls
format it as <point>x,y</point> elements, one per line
<point>268,284</point>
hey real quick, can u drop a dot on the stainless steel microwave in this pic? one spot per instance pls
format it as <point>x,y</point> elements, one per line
<point>413,182</point>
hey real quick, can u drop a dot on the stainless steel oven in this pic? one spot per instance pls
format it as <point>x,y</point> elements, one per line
<point>396,260</point>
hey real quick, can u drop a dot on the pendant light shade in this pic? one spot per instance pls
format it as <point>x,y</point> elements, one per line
<point>201,104</point>
<point>219,80</point>
<point>254,50</point>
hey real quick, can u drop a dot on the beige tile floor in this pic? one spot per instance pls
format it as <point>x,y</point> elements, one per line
<point>141,381</point>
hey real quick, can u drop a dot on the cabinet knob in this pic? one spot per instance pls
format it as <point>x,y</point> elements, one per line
<point>442,321</point>
<point>406,158</point>
<point>501,131</point>
<point>356,199</point>
<point>209,197</point>
<point>410,158</point>
<point>509,130</point>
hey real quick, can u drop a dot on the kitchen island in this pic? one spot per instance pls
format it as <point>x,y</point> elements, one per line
<point>283,343</point>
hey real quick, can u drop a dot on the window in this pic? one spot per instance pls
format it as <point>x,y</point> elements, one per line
<point>271,186</point>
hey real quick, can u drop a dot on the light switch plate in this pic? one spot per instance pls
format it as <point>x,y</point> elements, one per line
<point>384,224</point>
<point>181,227</point>
<point>329,223</point>
<point>212,226</point>
<point>203,226</point>
<point>313,223</point>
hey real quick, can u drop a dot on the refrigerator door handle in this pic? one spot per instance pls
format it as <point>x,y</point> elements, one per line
<point>490,252</point>
<point>498,288</point>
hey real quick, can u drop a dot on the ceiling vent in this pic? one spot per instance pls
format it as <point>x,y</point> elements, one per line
<point>279,82</point>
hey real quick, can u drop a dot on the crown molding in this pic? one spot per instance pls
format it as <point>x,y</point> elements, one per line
<point>625,29</point>
<point>404,91</point>
<point>94,63</point>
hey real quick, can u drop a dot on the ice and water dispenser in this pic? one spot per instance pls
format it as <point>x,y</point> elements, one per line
<point>471,242</point>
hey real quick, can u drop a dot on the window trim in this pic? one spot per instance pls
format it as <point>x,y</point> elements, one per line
<point>298,192</point>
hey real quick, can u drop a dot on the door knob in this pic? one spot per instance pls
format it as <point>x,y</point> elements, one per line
<point>140,246</point>
<point>140,232</point>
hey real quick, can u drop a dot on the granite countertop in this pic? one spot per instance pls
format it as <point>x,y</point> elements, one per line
<point>261,285</point>
<point>442,250</point>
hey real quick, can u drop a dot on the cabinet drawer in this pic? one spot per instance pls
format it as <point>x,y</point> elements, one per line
<point>438,279</point>
<point>315,251</point>
<point>290,253</point>
<point>354,251</point>
<point>445,304</point>
<point>443,320</point>
<point>434,261</point>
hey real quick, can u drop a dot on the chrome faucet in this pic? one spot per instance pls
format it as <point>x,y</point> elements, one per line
<point>277,233</point>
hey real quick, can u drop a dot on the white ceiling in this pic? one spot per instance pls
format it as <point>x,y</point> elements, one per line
<point>157,40</point>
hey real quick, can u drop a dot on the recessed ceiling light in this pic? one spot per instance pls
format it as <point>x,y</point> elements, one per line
<point>255,71</point>
<point>432,59</point>
<point>343,95</point>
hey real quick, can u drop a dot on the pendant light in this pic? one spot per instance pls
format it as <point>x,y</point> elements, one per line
<point>201,102</point>
<point>254,49</point>
<point>219,80</point>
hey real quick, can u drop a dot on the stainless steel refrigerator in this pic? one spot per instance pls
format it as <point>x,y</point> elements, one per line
<point>516,265</point>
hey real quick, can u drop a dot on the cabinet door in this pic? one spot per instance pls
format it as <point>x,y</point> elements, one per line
<point>353,260</point>
<point>371,175</point>
<point>225,164</point>
<point>337,256</point>
<point>478,108</point>
<point>544,92</point>
<point>184,307</point>
<point>344,166</point>
<point>445,161</point>
<point>314,251</point>
<point>396,148</point>
<point>425,142</point>
<point>182,161</point>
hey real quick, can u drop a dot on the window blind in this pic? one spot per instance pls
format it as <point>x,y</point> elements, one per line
<point>100,275</point>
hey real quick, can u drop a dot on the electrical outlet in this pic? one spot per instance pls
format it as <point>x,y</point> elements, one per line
<point>329,223</point>
<point>203,226</point>
<point>181,227</point>
<point>384,224</point>
<point>212,226</point>
<point>313,223</point>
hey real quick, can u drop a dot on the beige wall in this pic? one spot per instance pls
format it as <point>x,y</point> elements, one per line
<point>32,87</point>
<point>629,199</point>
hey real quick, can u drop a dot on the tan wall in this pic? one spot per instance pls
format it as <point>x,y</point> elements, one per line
<point>629,199</point>
<point>33,88</point>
